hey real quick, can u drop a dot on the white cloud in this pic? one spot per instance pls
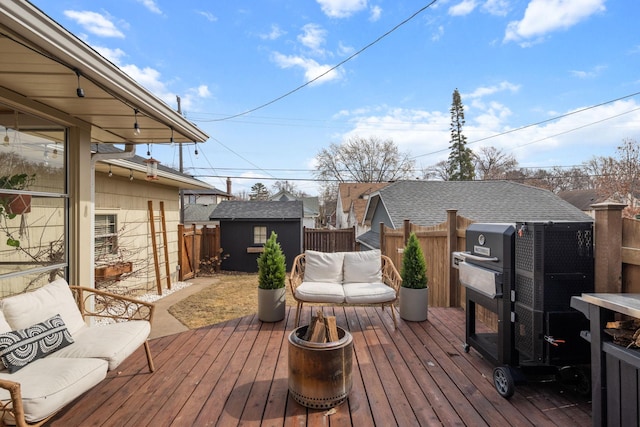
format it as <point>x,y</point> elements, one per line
<point>313,37</point>
<point>113,55</point>
<point>151,5</point>
<point>544,16</point>
<point>344,50</point>
<point>341,8</point>
<point>311,68</point>
<point>588,74</point>
<point>208,15</point>
<point>490,90</point>
<point>496,7</point>
<point>94,23</point>
<point>438,33</point>
<point>465,7</point>
<point>376,12</point>
<point>275,33</point>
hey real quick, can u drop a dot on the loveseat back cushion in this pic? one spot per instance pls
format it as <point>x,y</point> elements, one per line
<point>112,342</point>
<point>4,326</point>
<point>325,292</point>
<point>20,347</point>
<point>323,267</point>
<point>48,384</point>
<point>29,308</point>
<point>362,267</point>
<point>368,293</point>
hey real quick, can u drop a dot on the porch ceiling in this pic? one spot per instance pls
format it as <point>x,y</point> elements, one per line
<point>38,68</point>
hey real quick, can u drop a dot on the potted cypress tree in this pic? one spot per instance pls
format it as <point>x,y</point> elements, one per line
<point>414,292</point>
<point>271,281</point>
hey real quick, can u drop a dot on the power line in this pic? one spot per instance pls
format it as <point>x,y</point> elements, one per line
<point>349,58</point>
<point>547,121</point>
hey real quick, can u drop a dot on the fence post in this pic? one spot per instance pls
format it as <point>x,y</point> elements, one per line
<point>452,245</point>
<point>608,247</point>
<point>180,251</point>
<point>406,229</point>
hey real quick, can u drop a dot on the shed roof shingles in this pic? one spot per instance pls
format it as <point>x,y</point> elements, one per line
<point>258,209</point>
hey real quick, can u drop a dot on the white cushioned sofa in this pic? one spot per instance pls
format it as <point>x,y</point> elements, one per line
<point>365,277</point>
<point>52,351</point>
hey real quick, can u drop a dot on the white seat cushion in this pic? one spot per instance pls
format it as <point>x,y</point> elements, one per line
<point>112,342</point>
<point>323,266</point>
<point>368,293</point>
<point>48,384</point>
<point>325,292</point>
<point>27,309</point>
<point>362,267</point>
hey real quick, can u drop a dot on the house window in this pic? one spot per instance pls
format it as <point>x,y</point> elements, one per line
<point>34,202</point>
<point>259,235</point>
<point>106,231</point>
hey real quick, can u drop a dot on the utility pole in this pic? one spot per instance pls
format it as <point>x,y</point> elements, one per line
<point>180,148</point>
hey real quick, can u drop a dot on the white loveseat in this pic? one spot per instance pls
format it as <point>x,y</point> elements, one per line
<point>365,277</point>
<point>54,351</point>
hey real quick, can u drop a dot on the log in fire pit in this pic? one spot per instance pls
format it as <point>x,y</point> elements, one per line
<point>320,361</point>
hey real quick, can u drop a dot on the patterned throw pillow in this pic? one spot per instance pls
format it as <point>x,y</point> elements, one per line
<point>23,346</point>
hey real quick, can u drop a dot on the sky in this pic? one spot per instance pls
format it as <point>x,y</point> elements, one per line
<point>274,82</point>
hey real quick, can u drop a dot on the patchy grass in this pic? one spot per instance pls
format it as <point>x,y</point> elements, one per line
<point>231,295</point>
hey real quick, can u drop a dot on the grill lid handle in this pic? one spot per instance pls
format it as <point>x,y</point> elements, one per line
<point>480,258</point>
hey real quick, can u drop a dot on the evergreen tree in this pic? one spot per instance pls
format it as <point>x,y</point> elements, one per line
<point>460,164</point>
<point>259,192</point>
<point>272,270</point>
<point>414,266</point>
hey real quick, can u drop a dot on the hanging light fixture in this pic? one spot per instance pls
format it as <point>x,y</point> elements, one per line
<point>152,169</point>
<point>79,90</point>
<point>110,173</point>
<point>171,140</point>
<point>136,127</point>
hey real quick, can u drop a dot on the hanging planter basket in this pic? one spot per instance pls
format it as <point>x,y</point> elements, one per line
<point>16,204</point>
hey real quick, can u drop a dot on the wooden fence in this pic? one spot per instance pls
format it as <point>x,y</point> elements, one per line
<point>198,249</point>
<point>437,242</point>
<point>329,240</point>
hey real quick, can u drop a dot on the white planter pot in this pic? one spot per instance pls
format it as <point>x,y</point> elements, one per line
<point>414,304</point>
<point>271,304</point>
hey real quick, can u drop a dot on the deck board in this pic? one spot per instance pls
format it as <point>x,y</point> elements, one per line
<point>235,373</point>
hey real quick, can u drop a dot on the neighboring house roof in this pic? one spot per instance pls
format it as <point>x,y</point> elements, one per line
<point>213,191</point>
<point>357,193</point>
<point>168,176</point>
<point>582,199</point>
<point>425,202</point>
<point>240,210</point>
<point>311,203</point>
<point>196,213</point>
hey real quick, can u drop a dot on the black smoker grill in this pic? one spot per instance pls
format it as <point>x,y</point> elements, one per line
<point>526,274</point>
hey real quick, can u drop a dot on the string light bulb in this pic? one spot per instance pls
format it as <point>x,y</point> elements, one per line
<point>6,137</point>
<point>130,174</point>
<point>196,151</point>
<point>79,90</point>
<point>110,173</point>
<point>171,140</point>
<point>136,127</point>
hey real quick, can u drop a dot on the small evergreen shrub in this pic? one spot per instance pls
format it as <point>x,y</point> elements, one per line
<point>272,270</point>
<point>414,267</point>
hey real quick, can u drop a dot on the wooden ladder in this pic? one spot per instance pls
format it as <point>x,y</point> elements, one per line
<point>159,257</point>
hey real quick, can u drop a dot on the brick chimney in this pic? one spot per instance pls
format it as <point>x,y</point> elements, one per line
<point>229,186</point>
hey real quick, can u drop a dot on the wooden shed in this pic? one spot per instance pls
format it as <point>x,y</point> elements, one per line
<point>245,226</point>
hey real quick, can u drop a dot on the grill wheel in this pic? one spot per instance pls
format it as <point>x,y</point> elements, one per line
<point>503,381</point>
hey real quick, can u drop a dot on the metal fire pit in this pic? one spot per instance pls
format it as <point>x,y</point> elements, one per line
<point>320,373</point>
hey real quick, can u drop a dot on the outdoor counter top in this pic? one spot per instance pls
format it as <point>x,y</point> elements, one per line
<point>628,304</point>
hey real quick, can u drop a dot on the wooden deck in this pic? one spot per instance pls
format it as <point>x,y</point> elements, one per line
<point>235,373</point>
